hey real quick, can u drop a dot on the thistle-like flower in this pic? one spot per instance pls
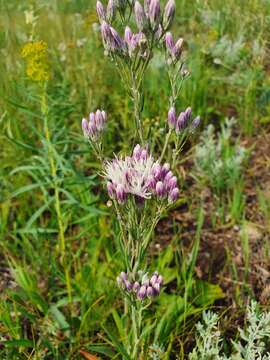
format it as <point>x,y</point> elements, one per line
<point>140,176</point>
<point>94,125</point>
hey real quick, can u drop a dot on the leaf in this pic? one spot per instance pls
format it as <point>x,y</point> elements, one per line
<point>102,349</point>
<point>59,317</point>
<point>117,344</point>
<point>87,355</point>
<point>18,342</point>
<point>206,293</point>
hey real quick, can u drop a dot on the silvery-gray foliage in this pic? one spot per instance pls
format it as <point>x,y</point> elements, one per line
<point>253,343</point>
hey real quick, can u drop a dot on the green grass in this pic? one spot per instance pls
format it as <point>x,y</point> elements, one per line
<point>53,303</point>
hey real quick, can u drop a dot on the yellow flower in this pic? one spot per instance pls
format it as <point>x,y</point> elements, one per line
<point>37,62</point>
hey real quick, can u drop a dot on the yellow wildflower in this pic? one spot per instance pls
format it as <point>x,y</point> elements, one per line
<point>37,62</point>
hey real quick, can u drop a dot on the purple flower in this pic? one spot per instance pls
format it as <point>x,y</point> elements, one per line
<point>138,176</point>
<point>168,15</point>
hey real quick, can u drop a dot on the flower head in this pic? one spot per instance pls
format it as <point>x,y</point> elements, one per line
<point>140,176</point>
<point>37,63</point>
<point>142,287</point>
<point>94,125</point>
<point>183,121</point>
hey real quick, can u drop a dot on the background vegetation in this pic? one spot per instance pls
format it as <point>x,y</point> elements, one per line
<point>58,258</point>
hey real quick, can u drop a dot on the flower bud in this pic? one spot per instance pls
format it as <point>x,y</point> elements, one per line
<point>188,112</point>
<point>136,286</point>
<point>120,193</point>
<point>168,15</point>
<point>128,35</point>
<point>160,190</point>
<point>116,43</point>
<point>172,183</point>
<point>172,117</point>
<point>139,16</point>
<point>123,275</point>
<point>160,279</point>
<point>142,293</point>
<point>99,120</point>
<point>174,195</point>
<point>156,171</point>
<point>91,117</point>
<point>137,152</point>
<point>150,292</point>
<point>181,122</point>
<point>165,169</point>
<point>106,32</point>
<point>92,129</point>
<point>153,279</point>
<point>151,182</point>
<point>128,285</point>
<point>156,289</point>
<point>119,281</point>
<point>154,14</point>
<point>195,123</point>
<point>168,176</point>
<point>100,11</point>
<point>178,48</point>
<point>146,7</point>
<point>144,155</point>
<point>110,189</point>
<point>111,10</point>
<point>85,127</point>
<point>169,42</point>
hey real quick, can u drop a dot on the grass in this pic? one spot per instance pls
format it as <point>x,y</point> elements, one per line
<point>58,256</point>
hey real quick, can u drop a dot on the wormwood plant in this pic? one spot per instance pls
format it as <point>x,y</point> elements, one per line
<point>219,162</point>
<point>141,187</point>
<point>253,344</point>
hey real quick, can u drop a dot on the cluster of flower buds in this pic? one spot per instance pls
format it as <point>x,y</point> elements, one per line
<point>150,16</point>
<point>140,176</point>
<point>141,288</point>
<point>174,49</point>
<point>149,21</point>
<point>183,121</point>
<point>109,13</point>
<point>94,125</point>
